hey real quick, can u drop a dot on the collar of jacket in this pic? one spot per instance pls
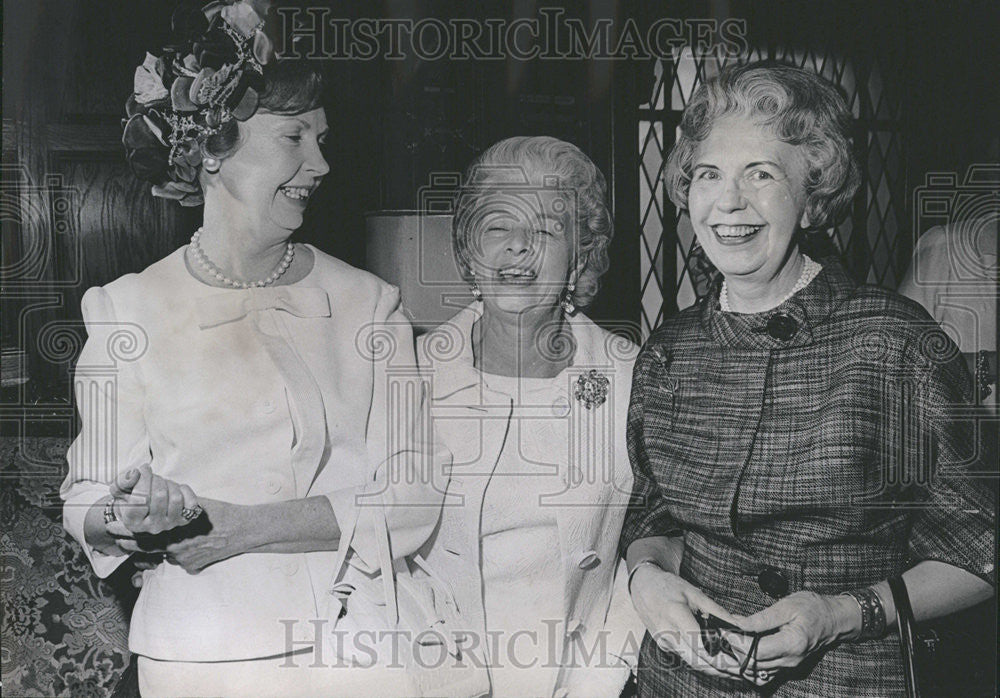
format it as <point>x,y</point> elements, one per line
<point>235,304</point>
<point>450,343</point>
<point>808,309</point>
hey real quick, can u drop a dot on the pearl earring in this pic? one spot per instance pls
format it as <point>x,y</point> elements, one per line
<point>567,299</point>
<point>211,165</point>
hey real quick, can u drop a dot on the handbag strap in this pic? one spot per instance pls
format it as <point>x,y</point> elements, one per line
<point>904,624</point>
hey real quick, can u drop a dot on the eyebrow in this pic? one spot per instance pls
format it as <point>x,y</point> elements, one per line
<point>755,163</point>
<point>772,163</point>
<point>301,122</point>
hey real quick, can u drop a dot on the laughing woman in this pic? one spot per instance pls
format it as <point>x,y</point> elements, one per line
<point>793,435</point>
<point>530,396</point>
<point>242,431</point>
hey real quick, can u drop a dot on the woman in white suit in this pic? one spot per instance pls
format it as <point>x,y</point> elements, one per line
<point>530,397</point>
<point>233,395</point>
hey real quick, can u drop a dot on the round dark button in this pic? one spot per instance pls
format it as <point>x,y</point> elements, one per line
<point>782,326</point>
<point>772,582</point>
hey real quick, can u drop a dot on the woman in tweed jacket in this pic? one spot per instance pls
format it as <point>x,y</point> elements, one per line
<point>793,435</point>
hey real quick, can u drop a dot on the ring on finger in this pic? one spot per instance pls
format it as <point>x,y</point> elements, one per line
<point>764,675</point>
<point>192,513</point>
<point>110,515</point>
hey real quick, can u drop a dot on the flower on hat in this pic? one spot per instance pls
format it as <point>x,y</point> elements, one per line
<point>148,85</point>
<point>211,73</point>
<point>241,17</point>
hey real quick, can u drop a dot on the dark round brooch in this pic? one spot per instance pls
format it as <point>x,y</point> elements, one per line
<point>591,389</point>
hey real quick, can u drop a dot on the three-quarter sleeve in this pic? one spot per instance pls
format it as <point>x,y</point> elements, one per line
<point>396,511</point>
<point>113,437</point>
<point>956,523</point>
<point>647,513</point>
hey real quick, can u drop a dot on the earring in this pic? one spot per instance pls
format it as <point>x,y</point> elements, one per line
<point>567,299</point>
<point>477,293</point>
<point>210,165</point>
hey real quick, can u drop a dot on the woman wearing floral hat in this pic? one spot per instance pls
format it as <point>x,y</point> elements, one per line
<point>233,395</point>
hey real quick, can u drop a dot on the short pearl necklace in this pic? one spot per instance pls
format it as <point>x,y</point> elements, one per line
<point>809,271</point>
<point>213,270</point>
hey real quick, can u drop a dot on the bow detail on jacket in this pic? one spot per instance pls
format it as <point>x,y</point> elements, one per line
<point>230,306</point>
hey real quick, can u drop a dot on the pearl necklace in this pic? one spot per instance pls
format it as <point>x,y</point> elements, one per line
<point>809,271</point>
<point>213,270</point>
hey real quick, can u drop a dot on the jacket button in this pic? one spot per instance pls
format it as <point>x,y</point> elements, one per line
<point>560,407</point>
<point>272,486</point>
<point>782,326</point>
<point>772,582</point>
<point>268,406</point>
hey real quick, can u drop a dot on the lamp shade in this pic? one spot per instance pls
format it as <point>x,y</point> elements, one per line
<point>412,250</point>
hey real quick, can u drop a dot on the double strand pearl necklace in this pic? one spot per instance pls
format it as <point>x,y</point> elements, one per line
<point>809,271</point>
<point>213,270</point>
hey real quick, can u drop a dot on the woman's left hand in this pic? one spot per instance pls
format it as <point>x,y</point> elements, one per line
<point>805,623</point>
<point>223,533</point>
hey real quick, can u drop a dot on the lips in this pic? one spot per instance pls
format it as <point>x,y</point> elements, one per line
<point>730,235</point>
<point>517,275</point>
<point>297,193</point>
<point>736,231</point>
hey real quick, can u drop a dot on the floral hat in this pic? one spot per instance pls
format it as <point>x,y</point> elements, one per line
<point>213,73</point>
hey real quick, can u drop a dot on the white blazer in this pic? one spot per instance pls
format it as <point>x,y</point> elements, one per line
<point>252,396</point>
<point>592,482</point>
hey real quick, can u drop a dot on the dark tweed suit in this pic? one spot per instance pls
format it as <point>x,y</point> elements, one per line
<point>836,458</point>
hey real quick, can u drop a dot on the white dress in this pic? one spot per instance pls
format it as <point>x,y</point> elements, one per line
<point>522,661</point>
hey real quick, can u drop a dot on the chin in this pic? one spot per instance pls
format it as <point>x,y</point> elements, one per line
<point>735,263</point>
<point>518,303</point>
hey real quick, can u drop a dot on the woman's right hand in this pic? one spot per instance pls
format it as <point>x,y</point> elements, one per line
<point>666,603</point>
<point>145,503</point>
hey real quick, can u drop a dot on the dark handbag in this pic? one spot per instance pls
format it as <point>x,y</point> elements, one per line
<point>904,624</point>
<point>953,655</point>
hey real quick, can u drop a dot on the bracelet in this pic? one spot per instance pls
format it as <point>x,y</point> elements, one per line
<point>872,613</point>
<point>109,512</point>
<point>643,561</point>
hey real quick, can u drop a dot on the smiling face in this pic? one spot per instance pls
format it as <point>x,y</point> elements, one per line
<point>521,246</point>
<point>267,181</point>
<point>747,198</point>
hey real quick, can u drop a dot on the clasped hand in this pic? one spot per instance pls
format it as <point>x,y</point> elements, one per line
<point>151,522</point>
<point>791,630</point>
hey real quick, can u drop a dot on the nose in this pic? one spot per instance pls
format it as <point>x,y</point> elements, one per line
<point>731,197</point>
<point>315,163</point>
<point>519,241</point>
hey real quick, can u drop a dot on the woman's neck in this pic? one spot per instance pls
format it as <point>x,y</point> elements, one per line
<point>760,295</point>
<point>536,343</point>
<point>240,249</point>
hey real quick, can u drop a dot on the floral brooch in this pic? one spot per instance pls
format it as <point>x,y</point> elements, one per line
<point>591,389</point>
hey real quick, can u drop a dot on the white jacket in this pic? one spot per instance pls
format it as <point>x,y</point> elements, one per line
<point>591,485</point>
<point>253,396</point>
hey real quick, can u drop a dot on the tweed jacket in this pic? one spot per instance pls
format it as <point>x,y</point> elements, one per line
<point>251,396</point>
<point>835,454</point>
<point>583,453</point>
